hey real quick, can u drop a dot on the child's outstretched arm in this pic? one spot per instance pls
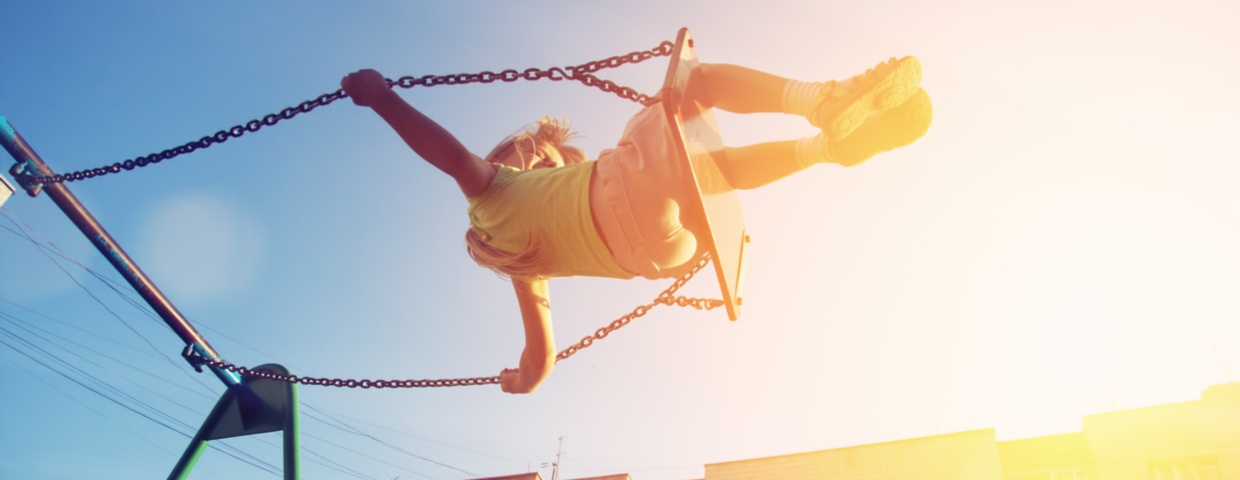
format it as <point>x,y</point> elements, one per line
<point>368,88</point>
<point>538,358</point>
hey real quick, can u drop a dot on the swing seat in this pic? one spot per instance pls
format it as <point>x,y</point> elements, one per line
<point>716,208</point>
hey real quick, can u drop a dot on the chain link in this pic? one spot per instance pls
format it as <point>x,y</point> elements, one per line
<point>583,73</point>
<point>667,297</point>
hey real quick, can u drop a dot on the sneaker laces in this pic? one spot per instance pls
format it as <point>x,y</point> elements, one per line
<point>829,86</point>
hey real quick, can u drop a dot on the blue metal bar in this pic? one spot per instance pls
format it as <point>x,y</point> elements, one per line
<point>29,162</point>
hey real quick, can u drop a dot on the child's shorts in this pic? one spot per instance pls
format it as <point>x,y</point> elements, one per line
<point>642,185</point>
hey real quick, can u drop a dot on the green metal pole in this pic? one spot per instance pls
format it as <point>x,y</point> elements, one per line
<point>198,444</point>
<point>183,467</point>
<point>292,436</point>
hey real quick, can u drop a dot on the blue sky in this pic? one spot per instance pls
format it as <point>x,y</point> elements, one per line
<point>1060,243</point>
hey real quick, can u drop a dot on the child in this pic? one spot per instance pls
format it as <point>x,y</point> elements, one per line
<point>538,209</point>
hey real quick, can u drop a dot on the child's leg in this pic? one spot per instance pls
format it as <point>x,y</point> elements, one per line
<point>744,90</point>
<point>757,165</point>
<point>738,89</point>
<point>837,107</point>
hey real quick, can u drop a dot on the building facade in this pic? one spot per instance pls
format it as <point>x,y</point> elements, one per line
<point>1197,440</point>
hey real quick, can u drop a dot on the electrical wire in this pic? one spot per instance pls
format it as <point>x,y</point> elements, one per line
<point>251,461</point>
<point>43,250</point>
<point>28,233</point>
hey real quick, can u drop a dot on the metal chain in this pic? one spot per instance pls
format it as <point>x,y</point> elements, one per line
<point>583,73</point>
<point>665,298</point>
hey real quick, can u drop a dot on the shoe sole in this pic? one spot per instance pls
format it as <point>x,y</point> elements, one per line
<point>896,86</point>
<point>892,129</point>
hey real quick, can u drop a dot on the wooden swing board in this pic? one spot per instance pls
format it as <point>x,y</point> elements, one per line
<point>697,139</point>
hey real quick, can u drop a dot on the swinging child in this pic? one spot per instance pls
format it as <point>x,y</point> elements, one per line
<point>539,209</point>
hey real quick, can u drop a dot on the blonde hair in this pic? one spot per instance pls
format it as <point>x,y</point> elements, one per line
<point>526,264</point>
<point>548,131</point>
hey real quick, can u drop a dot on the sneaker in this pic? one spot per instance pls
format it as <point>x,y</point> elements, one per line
<point>843,105</point>
<point>884,131</point>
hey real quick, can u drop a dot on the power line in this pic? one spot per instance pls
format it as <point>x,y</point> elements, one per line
<point>133,368</point>
<point>331,416</point>
<point>252,461</point>
<point>231,450</point>
<point>47,249</point>
<point>43,251</point>
<point>355,431</point>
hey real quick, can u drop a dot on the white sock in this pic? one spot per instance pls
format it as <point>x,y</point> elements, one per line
<point>800,97</point>
<point>813,150</point>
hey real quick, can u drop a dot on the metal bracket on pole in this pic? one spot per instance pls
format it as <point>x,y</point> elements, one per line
<point>25,167</point>
<point>23,170</point>
<point>279,414</point>
<point>195,351</point>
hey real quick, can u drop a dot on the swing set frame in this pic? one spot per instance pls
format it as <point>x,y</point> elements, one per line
<point>264,399</point>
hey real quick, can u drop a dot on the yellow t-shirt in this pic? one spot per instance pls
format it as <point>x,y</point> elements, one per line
<point>548,209</point>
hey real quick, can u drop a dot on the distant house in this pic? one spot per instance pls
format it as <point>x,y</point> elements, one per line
<point>1196,440</point>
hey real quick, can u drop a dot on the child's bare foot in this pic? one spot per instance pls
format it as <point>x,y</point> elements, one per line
<point>885,130</point>
<point>844,105</point>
